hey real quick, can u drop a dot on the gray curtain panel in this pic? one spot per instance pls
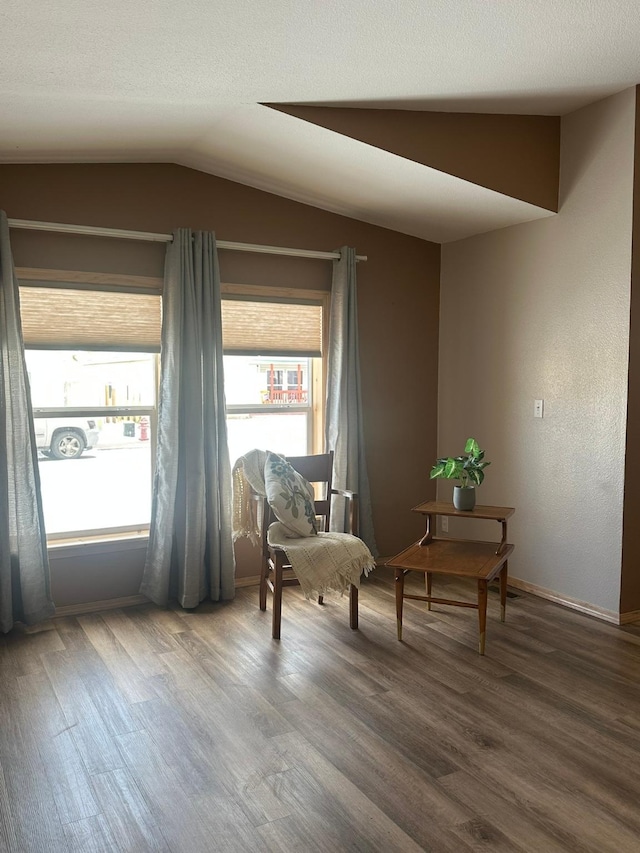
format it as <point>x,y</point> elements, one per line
<point>344,432</point>
<point>24,565</point>
<point>190,552</point>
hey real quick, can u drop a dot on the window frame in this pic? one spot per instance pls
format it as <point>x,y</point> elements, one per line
<point>115,283</point>
<point>318,365</point>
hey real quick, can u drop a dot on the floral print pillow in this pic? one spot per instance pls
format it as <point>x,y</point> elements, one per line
<point>290,496</point>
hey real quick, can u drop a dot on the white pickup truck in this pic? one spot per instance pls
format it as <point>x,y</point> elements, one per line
<point>65,438</point>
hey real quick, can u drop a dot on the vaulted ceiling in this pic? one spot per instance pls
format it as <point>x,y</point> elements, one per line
<point>343,105</point>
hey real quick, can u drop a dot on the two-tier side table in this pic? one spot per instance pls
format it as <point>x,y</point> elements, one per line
<point>464,558</point>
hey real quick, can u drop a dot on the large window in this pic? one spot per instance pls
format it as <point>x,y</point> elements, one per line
<point>274,377</point>
<point>91,349</point>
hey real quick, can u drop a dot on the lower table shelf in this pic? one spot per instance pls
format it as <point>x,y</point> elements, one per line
<point>481,561</point>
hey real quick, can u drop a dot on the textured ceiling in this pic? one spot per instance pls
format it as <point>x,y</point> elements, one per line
<point>82,81</point>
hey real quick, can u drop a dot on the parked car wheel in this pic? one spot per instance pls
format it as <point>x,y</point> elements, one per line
<point>67,444</point>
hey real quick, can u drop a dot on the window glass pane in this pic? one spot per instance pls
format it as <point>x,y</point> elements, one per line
<point>281,432</point>
<point>266,380</point>
<point>61,378</point>
<point>279,385</point>
<point>95,470</point>
<point>107,485</point>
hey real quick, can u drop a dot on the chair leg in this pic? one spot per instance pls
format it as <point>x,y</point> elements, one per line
<point>353,607</point>
<point>277,597</point>
<point>264,573</point>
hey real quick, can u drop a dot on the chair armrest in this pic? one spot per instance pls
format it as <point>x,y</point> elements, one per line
<point>352,498</point>
<point>345,493</point>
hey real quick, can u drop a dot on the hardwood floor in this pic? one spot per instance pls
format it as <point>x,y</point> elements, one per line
<point>162,730</point>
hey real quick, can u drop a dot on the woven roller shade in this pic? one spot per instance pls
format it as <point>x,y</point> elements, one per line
<point>271,327</point>
<point>90,319</point>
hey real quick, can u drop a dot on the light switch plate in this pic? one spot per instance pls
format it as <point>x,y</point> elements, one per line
<point>538,408</point>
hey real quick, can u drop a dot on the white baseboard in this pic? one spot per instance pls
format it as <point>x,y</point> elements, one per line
<point>567,601</point>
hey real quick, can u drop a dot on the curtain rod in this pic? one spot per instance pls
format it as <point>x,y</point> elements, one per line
<point>149,236</point>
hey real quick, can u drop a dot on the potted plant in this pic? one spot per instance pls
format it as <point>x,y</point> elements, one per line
<point>469,470</point>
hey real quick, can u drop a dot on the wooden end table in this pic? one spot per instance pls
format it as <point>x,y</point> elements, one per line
<point>463,558</point>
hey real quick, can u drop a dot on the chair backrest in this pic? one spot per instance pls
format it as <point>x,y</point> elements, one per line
<point>317,470</point>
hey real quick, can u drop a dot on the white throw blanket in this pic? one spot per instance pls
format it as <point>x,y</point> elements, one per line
<point>325,561</point>
<point>248,478</point>
<point>322,562</point>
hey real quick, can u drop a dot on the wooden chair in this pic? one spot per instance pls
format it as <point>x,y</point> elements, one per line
<point>276,572</point>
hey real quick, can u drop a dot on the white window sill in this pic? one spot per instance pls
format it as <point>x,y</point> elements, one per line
<point>106,543</point>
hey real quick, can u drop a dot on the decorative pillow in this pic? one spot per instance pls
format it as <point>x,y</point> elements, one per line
<point>290,496</point>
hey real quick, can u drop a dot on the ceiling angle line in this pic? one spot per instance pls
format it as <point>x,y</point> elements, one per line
<point>149,236</point>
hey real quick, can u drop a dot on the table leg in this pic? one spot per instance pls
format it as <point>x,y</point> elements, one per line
<point>427,581</point>
<point>428,536</point>
<point>503,593</point>
<point>482,613</point>
<point>399,600</point>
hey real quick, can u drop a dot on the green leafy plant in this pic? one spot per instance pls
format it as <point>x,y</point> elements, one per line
<point>469,469</point>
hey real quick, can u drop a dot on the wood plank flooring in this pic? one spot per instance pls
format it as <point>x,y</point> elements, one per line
<point>163,730</point>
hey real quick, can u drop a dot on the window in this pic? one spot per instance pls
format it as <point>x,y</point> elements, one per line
<point>274,372</point>
<point>274,378</point>
<point>294,379</point>
<point>93,378</point>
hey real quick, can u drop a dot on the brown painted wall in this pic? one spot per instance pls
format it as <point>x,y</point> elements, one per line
<point>517,155</point>
<point>397,298</point>
<point>630,578</point>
